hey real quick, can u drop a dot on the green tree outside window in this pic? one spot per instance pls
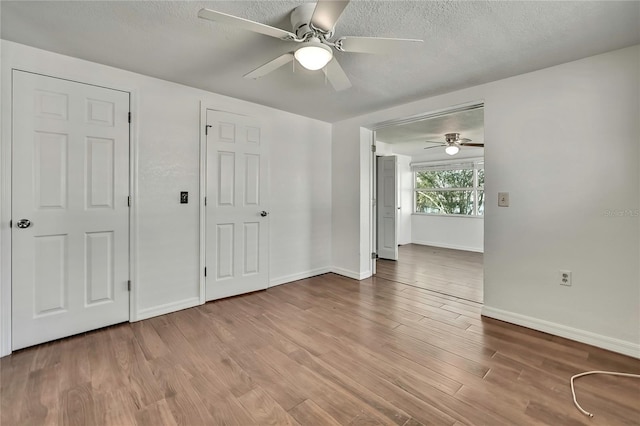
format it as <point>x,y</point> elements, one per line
<point>450,192</point>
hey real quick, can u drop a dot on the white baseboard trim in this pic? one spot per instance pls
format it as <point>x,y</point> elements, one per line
<point>300,276</point>
<point>449,246</point>
<point>351,274</point>
<point>167,308</point>
<point>616,345</point>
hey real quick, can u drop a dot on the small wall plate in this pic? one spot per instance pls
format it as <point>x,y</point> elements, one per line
<point>503,199</point>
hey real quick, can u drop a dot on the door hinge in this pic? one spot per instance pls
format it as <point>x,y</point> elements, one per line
<point>11,224</point>
<point>129,117</point>
<point>373,148</point>
<point>129,285</point>
<point>206,129</point>
<point>374,255</point>
<point>128,201</point>
<point>205,201</point>
<point>205,271</point>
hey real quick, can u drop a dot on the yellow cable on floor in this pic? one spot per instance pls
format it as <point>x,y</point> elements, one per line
<point>611,373</point>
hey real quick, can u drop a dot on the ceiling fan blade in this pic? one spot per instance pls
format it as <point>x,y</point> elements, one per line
<point>463,140</point>
<point>336,75</point>
<point>438,142</point>
<point>373,44</point>
<point>270,66</point>
<point>327,13</point>
<point>245,24</point>
<point>437,146</point>
<point>472,144</point>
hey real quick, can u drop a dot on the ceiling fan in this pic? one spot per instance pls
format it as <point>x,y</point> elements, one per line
<point>453,143</point>
<point>313,28</point>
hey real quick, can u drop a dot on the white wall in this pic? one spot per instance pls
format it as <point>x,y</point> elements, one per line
<point>405,189</point>
<point>300,211</point>
<point>167,117</point>
<point>346,203</point>
<point>559,118</point>
<point>460,233</point>
<point>564,142</point>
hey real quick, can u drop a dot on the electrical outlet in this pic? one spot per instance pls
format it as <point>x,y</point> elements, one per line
<point>565,278</point>
<point>503,199</point>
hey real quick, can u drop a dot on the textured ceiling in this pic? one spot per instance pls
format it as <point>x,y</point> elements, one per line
<point>410,138</point>
<point>466,43</point>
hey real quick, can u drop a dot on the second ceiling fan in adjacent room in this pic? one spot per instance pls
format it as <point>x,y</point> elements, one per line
<point>453,142</point>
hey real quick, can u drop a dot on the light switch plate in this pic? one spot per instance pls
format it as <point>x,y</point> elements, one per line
<point>503,199</point>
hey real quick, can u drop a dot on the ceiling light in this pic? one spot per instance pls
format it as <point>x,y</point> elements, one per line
<point>313,55</point>
<point>452,150</point>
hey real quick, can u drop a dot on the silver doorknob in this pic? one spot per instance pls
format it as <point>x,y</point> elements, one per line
<point>263,213</point>
<point>23,223</point>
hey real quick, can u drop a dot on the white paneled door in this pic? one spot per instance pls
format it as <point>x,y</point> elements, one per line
<point>387,208</point>
<point>236,206</point>
<point>70,233</point>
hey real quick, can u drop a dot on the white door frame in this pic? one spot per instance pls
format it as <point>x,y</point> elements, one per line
<point>369,162</point>
<point>373,206</point>
<point>6,142</point>
<point>204,106</point>
<point>202,193</point>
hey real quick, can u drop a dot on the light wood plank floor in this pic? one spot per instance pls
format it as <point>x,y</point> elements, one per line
<point>323,351</point>
<point>454,272</point>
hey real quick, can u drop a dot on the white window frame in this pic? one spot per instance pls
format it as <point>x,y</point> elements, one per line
<point>475,164</point>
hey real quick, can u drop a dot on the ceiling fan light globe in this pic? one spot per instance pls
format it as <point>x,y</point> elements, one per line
<point>313,56</point>
<point>452,150</point>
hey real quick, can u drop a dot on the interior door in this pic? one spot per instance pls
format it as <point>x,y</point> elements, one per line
<point>70,233</point>
<point>236,206</point>
<point>387,207</point>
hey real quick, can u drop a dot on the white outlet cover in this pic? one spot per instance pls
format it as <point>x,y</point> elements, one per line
<point>564,277</point>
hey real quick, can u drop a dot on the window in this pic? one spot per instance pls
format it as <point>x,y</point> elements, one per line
<point>449,189</point>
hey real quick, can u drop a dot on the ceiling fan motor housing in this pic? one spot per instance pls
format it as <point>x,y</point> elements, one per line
<point>452,137</point>
<point>300,21</point>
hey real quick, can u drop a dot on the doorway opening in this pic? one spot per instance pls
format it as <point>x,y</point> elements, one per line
<point>428,192</point>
